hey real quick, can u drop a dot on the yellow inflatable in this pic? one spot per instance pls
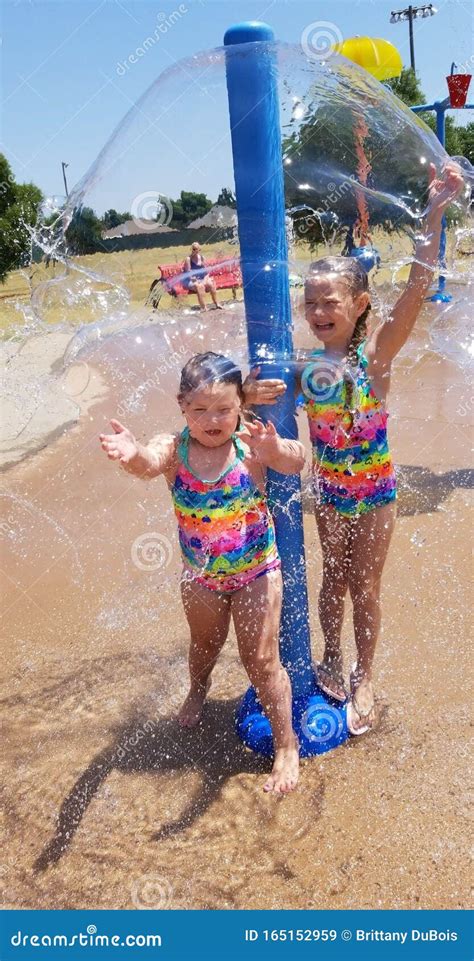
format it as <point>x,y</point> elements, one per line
<point>378,57</point>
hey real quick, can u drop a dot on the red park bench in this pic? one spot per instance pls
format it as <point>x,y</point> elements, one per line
<point>225,274</point>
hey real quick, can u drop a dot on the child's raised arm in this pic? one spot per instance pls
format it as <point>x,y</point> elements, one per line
<point>143,461</point>
<point>388,339</point>
<point>281,454</point>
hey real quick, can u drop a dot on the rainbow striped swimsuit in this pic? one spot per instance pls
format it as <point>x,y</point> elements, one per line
<point>226,531</point>
<point>352,465</point>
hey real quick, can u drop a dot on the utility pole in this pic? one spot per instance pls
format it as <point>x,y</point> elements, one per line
<point>412,13</point>
<point>64,165</point>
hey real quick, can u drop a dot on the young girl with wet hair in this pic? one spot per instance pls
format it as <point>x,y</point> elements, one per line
<point>216,473</point>
<point>345,389</point>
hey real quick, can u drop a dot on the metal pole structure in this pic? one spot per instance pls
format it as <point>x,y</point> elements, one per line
<point>441,295</point>
<point>412,42</point>
<point>440,107</point>
<point>251,70</point>
<point>64,165</point>
<point>411,13</point>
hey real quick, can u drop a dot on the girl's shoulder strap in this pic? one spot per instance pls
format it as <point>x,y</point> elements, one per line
<point>361,353</point>
<point>309,360</point>
<point>183,454</point>
<point>240,452</point>
<point>183,446</point>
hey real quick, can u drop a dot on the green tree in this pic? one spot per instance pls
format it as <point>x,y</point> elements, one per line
<point>188,207</point>
<point>407,88</point>
<point>19,205</point>
<point>226,198</point>
<point>466,136</point>
<point>113,219</point>
<point>321,172</point>
<point>84,234</point>
<point>321,165</point>
<point>453,142</point>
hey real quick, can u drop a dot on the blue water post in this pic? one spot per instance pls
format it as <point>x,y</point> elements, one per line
<point>441,295</point>
<point>439,107</point>
<point>251,69</point>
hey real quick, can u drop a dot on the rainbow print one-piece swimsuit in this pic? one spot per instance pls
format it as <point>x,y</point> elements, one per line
<point>226,531</point>
<point>352,465</point>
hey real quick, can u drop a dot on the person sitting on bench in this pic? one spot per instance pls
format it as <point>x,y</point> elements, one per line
<point>199,280</point>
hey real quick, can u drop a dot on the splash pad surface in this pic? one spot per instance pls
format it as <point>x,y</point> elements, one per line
<point>96,665</point>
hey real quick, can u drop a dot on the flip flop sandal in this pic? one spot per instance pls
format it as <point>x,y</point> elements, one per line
<point>353,709</point>
<point>336,676</point>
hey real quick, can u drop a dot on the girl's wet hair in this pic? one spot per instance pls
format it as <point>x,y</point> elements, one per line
<point>350,270</point>
<point>202,370</point>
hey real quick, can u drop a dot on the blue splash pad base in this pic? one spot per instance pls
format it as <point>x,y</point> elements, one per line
<point>319,722</point>
<point>440,298</point>
<point>368,257</point>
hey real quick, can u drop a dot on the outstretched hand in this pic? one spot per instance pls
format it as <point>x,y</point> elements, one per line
<point>443,189</point>
<point>121,445</point>
<point>262,439</point>
<point>262,391</point>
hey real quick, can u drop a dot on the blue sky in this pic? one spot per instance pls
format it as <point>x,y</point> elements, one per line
<point>65,87</point>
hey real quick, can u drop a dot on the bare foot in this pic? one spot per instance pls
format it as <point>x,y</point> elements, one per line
<point>284,776</point>
<point>190,713</point>
<point>361,708</point>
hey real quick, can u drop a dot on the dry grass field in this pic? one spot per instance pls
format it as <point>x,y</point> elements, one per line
<point>134,270</point>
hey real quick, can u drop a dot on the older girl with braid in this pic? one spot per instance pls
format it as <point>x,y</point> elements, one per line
<point>345,388</point>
